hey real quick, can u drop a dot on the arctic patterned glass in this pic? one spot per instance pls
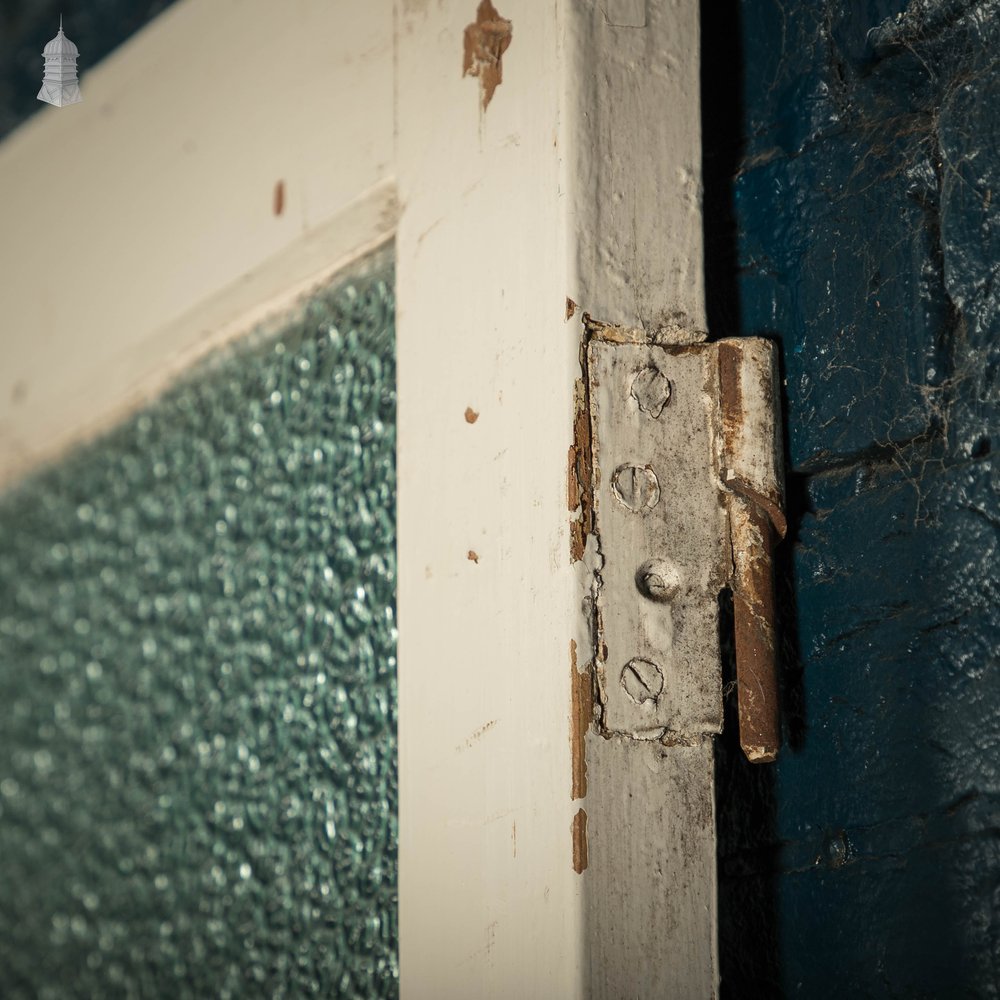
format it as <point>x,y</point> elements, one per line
<point>198,682</point>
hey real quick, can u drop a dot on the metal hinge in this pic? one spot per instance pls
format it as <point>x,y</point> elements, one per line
<point>681,490</point>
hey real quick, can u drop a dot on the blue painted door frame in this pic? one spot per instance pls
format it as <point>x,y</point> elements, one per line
<point>852,167</point>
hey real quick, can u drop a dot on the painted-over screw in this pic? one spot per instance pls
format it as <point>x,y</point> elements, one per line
<point>659,579</point>
<point>651,389</point>
<point>636,487</point>
<point>642,680</point>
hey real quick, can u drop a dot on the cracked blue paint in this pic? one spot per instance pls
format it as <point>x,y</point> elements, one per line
<point>867,864</point>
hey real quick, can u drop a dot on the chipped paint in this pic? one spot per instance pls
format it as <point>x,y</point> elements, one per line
<point>669,333</point>
<point>581,717</point>
<point>571,308</point>
<point>486,40</point>
<point>477,735</point>
<point>752,449</point>
<point>580,481</point>
<point>674,739</point>
<point>471,416</point>
<point>473,556</point>
<point>579,834</point>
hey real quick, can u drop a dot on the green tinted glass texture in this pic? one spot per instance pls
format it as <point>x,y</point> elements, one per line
<point>198,682</point>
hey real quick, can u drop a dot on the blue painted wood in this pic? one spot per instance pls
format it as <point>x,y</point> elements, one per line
<point>867,221</point>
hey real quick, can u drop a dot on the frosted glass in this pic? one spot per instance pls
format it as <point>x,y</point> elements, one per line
<point>198,682</point>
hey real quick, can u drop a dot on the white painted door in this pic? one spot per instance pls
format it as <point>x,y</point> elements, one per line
<point>530,163</point>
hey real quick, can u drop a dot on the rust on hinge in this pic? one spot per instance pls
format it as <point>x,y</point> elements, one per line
<point>753,616</point>
<point>753,474</point>
<point>658,428</point>
<point>660,517</point>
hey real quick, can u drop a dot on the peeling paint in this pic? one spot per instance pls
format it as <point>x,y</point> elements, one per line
<point>580,482</point>
<point>751,442</point>
<point>670,738</point>
<point>672,332</point>
<point>486,40</point>
<point>571,308</point>
<point>579,833</point>
<point>585,644</point>
<point>581,717</point>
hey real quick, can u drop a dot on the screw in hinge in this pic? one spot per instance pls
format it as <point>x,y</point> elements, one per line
<point>642,680</point>
<point>636,486</point>
<point>651,390</point>
<point>659,580</point>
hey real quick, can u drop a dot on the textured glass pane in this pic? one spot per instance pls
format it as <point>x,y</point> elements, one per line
<point>198,683</point>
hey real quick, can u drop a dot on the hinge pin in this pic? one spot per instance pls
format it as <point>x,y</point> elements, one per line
<point>748,381</point>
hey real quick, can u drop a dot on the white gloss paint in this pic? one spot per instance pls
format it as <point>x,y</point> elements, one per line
<point>139,227</point>
<point>490,904</point>
<point>140,233</point>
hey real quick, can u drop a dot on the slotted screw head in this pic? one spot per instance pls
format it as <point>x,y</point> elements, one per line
<point>659,579</point>
<point>651,390</point>
<point>636,486</point>
<point>642,680</point>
